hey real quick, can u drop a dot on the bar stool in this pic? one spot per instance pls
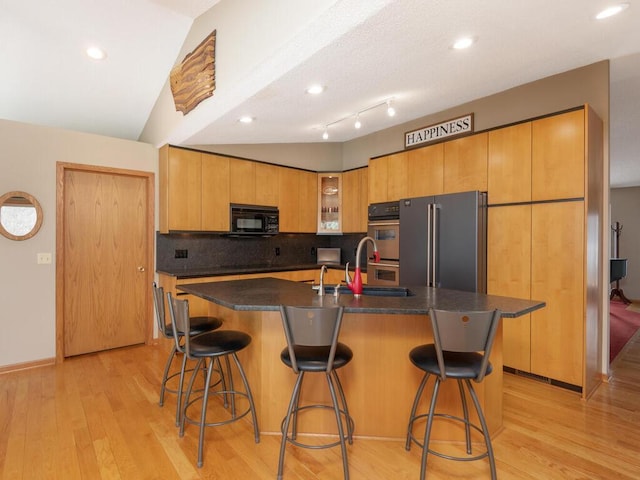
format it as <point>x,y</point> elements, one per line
<point>198,325</point>
<point>461,349</point>
<point>208,348</point>
<point>313,347</point>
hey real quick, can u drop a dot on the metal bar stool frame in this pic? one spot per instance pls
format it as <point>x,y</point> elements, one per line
<point>212,346</point>
<point>199,324</point>
<point>459,337</point>
<point>321,329</point>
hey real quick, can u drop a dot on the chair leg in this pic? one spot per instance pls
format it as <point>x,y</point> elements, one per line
<point>252,406</point>
<point>345,407</point>
<point>294,428</point>
<point>416,402</point>
<point>165,375</point>
<point>465,411</point>
<point>183,367</point>
<point>485,430</point>
<point>229,376</point>
<point>293,403</point>
<point>427,432</point>
<point>185,403</point>
<point>203,413</point>
<point>336,409</point>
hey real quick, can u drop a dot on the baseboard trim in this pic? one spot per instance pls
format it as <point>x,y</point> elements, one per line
<point>16,367</point>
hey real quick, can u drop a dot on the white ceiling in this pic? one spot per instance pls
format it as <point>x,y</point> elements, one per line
<point>364,52</point>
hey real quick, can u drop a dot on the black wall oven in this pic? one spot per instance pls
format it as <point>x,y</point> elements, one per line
<point>253,220</point>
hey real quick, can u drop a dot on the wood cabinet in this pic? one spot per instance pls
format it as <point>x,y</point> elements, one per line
<point>558,157</point>
<point>465,164</point>
<point>355,200</point>
<point>544,245</point>
<point>194,191</point>
<point>378,173</point>
<point>253,183</point>
<point>298,200</point>
<point>509,274</point>
<point>557,277</point>
<point>425,171</point>
<point>509,164</point>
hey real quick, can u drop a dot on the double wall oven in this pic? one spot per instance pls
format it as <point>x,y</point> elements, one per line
<point>384,228</point>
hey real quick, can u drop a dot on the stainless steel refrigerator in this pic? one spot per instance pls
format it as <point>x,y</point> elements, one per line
<point>443,241</point>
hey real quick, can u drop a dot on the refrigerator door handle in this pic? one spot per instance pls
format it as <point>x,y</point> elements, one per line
<point>429,244</point>
<point>434,242</point>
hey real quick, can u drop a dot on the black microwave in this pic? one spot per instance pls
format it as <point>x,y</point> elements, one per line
<point>253,220</point>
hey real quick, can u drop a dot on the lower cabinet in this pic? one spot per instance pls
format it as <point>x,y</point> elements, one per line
<point>537,251</point>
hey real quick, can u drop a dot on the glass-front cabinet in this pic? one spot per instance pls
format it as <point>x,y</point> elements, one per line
<point>329,203</point>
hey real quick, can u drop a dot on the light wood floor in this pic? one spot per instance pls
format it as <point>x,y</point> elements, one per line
<point>97,417</point>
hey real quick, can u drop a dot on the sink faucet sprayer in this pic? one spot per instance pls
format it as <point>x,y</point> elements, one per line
<point>356,285</point>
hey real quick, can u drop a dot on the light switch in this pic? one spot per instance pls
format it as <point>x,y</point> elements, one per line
<point>44,258</point>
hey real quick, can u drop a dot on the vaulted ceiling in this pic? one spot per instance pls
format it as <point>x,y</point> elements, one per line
<point>363,52</point>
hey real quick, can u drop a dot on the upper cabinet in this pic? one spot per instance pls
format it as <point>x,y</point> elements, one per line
<point>558,153</point>
<point>465,164</point>
<point>253,183</point>
<point>509,168</point>
<point>194,191</point>
<point>355,200</point>
<point>330,203</point>
<point>425,171</point>
<point>298,200</point>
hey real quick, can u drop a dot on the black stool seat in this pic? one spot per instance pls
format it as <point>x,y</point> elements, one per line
<point>456,364</point>
<point>219,342</point>
<point>198,325</point>
<point>314,359</point>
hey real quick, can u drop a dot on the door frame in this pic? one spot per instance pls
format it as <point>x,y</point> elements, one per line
<point>61,169</point>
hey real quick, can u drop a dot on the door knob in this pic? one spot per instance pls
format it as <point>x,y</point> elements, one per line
<point>141,269</point>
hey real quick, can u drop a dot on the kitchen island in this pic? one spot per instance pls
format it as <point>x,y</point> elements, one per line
<point>380,382</point>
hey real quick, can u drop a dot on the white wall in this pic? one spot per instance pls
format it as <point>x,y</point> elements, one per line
<point>28,157</point>
<point>625,205</point>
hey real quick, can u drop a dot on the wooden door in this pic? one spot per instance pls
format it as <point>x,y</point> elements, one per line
<point>378,173</point>
<point>267,191</point>
<point>185,189</point>
<point>289,187</point>
<point>215,193</point>
<point>242,181</point>
<point>105,259</point>
<point>307,202</point>
<point>397,171</point>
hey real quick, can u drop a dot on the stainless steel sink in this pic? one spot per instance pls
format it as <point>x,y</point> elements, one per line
<point>377,291</point>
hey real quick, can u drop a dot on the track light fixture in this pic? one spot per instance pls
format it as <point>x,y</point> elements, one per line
<point>358,124</point>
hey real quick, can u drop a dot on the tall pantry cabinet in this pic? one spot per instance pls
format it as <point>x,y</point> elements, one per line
<point>545,201</point>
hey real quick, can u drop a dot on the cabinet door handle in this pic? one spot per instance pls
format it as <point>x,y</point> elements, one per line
<point>141,268</point>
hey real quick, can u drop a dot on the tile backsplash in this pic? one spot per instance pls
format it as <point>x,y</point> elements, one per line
<point>196,251</point>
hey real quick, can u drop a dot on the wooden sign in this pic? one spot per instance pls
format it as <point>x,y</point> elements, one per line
<point>195,78</point>
<point>451,128</point>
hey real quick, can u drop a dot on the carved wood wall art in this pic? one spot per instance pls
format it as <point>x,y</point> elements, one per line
<point>194,79</point>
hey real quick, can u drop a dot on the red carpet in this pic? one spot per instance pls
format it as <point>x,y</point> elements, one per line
<point>623,324</point>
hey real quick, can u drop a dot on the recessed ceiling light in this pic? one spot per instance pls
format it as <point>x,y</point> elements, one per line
<point>315,89</point>
<point>463,43</point>
<point>611,11</point>
<point>96,53</point>
<point>246,119</point>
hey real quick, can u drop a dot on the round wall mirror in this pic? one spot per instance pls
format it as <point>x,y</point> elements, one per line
<point>20,215</point>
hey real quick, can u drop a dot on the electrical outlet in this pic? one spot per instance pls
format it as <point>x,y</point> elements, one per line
<point>277,251</point>
<point>181,253</point>
<point>44,258</point>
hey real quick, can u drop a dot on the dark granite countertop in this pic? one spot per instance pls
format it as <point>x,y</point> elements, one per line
<point>244,269</point>
<point>264,294</point>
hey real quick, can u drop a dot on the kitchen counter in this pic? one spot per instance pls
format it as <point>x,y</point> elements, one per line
<point>244,269</point>
<point>381,381</point>
<point>266,294</point>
